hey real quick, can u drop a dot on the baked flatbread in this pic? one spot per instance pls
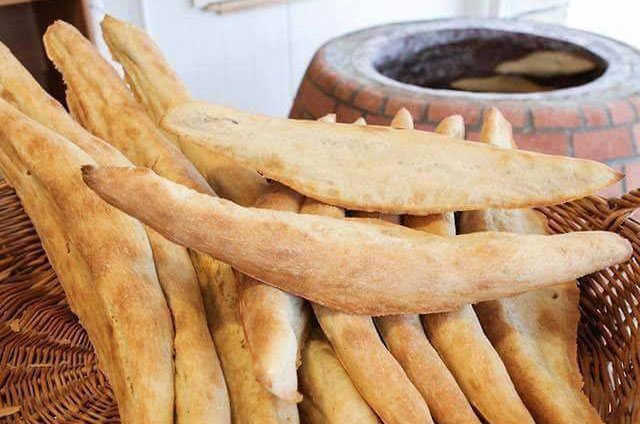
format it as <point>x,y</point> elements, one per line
<point>329,395</point>
<point>546,63</point>
<point>381,169</point>
<point>274,321</point>
<point>499,84</point>
<point>328,261</point>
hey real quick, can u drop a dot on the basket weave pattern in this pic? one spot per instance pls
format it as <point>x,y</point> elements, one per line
<point>49,370</point>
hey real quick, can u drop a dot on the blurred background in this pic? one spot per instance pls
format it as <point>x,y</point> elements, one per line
<point>252,54</point>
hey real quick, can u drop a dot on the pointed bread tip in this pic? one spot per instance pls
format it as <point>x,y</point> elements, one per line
<point>329,117</point>
<point>402,119</point>
<point>360,121</point>
<point>452,126</point>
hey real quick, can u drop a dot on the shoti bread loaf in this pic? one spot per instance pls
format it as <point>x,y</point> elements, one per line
<point>327,260</point>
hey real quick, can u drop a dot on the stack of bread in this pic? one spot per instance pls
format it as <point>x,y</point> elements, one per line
<point>231,267</point>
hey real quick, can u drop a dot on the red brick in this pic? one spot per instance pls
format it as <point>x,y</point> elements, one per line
<point>415,106</point>
<point>425,127</point>
<point>315,101</point>
<point>621,112</point>
<point>615,190</point>
<point>327,80</point>
<point>549,143</point>
<point>516,115</point>
<point>632,175</point>
<point>555,117</point>
<point>472,135</point>
<point>345,90</point>
<point>315,68</point>
<point>369,99</point>
<point>440,109</point>
<point>595,116</point>
<point>603,144</point>
<point>377,120</point>
<point>347,114</point>
<point>296,111</point>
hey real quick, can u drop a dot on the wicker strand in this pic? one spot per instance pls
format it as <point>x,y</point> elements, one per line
<point>48,370</point>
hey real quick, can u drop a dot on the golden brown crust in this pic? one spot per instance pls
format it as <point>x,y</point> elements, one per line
<point>19,88</point>
<point>546,63</point>
<point>274,321</point>
<point>406,340</point>
<point>373,370</point>
<point>355,166</point>
<point>329,394</point>
<point>499,84</point>
<point>328,260</point>
<point>404,335</point>
<point>153,81</point>
<point>250,402</point>
<point>107,109</point>
<point>534,333</point>
<point>364,356</point>
<point>158,88</point>
<point>248,399</point>
<point>104,262</point>
<point>458,337</point>
<point>201,393</point>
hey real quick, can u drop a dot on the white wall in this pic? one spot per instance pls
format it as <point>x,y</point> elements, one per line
<point>613,18</point>
<point>255,59</point>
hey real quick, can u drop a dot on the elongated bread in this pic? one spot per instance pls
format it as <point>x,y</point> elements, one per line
<point>274,321</point>
<point>201,393</point>
<point>103,260</point>
<point>19,88</point>
<point>381,169</point>
<point>104,105</point>
<point>499,84</point>
<point>546,63</point>
<point>534,333</point>
<point>476,366</point>
<point>158,88</point>
<point>405,336</point>
<point>123,123</point>
<point>369,363</point>
<point>364,356</point>
<point>329,394</point>
<point>250,401</point>
<point>327,260</point>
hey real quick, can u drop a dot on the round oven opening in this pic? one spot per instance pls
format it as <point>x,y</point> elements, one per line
<point>487,60</point>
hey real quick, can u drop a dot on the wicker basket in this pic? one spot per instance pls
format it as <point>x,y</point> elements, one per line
<point>48,371</point>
